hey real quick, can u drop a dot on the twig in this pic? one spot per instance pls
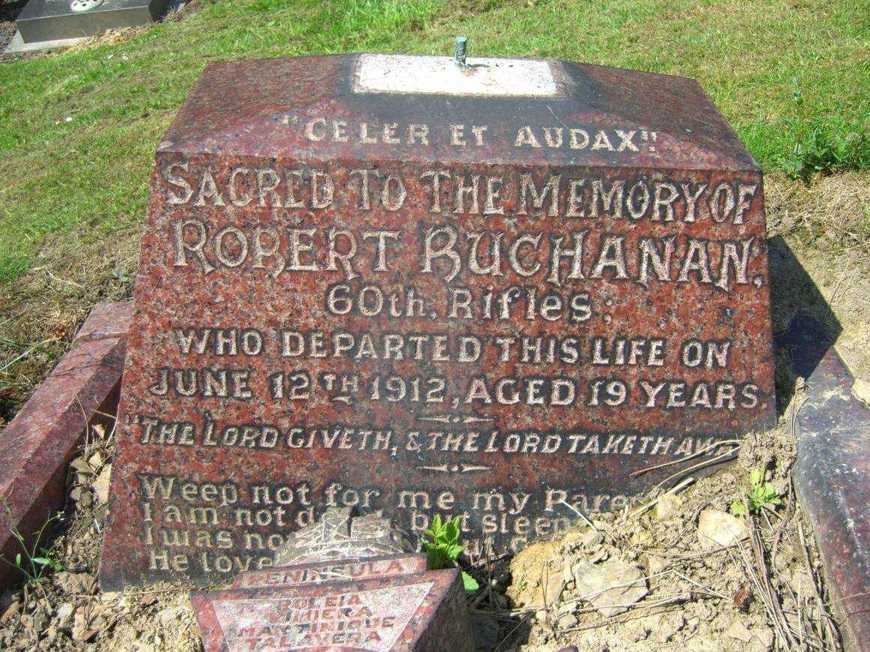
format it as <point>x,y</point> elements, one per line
<point>678,487</point>
<point>852,596</point>
<point>688,457</point>
<point>63,280</point>
<point>706,589</point>
<point>589,596</point>
<point>800,386</point>
<point>783,523</point>
<point>511,632</point>
<point>634,613</point>
<point>715,460</point>
<point>105,414</point>
<point>828,631</point>
<point>660,602</point>
<point>702,553</point>
<point>545,584</point>
<point>844,275</point>
<point>525,611</point>
<point>761,564</point>
<point>756,569</point>
<point>581,515</point>
<point>692,519</point>
<point>27,352</point>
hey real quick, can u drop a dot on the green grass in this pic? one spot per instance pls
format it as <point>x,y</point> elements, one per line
<point>78,129</point>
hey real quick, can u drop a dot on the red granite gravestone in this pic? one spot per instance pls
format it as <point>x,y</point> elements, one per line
<point>396,283</point>
<point>832,432</point>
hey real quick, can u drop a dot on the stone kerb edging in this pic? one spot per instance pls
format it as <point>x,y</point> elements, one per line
<point>37,445</point>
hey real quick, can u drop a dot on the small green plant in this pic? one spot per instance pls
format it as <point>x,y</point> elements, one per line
<point>35,560</point>
<point>441,542</point>
<point>827,149</point>
<point>761,495</point>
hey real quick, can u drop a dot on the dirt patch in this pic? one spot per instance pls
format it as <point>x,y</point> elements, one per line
<point>680,571</point>
<point>41,312</point>
<point>831,214</point>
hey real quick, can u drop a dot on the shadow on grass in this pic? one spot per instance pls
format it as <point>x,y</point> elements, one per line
<point>805,327</point>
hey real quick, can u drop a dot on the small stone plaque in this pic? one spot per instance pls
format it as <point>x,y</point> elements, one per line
<point>393,73</point>
<point>499,300</point>
<point>419,612</point>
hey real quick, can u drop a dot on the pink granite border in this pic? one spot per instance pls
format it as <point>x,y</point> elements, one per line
<point>39,442</point>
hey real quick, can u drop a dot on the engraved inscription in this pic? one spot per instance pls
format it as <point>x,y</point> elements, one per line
<point>528,308</point>
<point>525,310</point>
<point>364,620</point>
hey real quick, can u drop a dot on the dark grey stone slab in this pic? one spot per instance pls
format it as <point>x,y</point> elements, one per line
<point>18,46</point>
<point>46,20</point>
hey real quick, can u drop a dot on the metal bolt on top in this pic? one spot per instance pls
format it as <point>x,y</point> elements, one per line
<point>459,51</point>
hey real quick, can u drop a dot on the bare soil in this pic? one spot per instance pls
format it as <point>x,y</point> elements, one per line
<point>820,258</point>
<point>763,593</point>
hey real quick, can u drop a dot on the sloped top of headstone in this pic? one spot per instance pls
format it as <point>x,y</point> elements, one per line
<point>340,535</point>
<point>429,109</point>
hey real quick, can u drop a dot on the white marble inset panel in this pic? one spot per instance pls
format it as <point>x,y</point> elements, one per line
<point>487,77</point>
